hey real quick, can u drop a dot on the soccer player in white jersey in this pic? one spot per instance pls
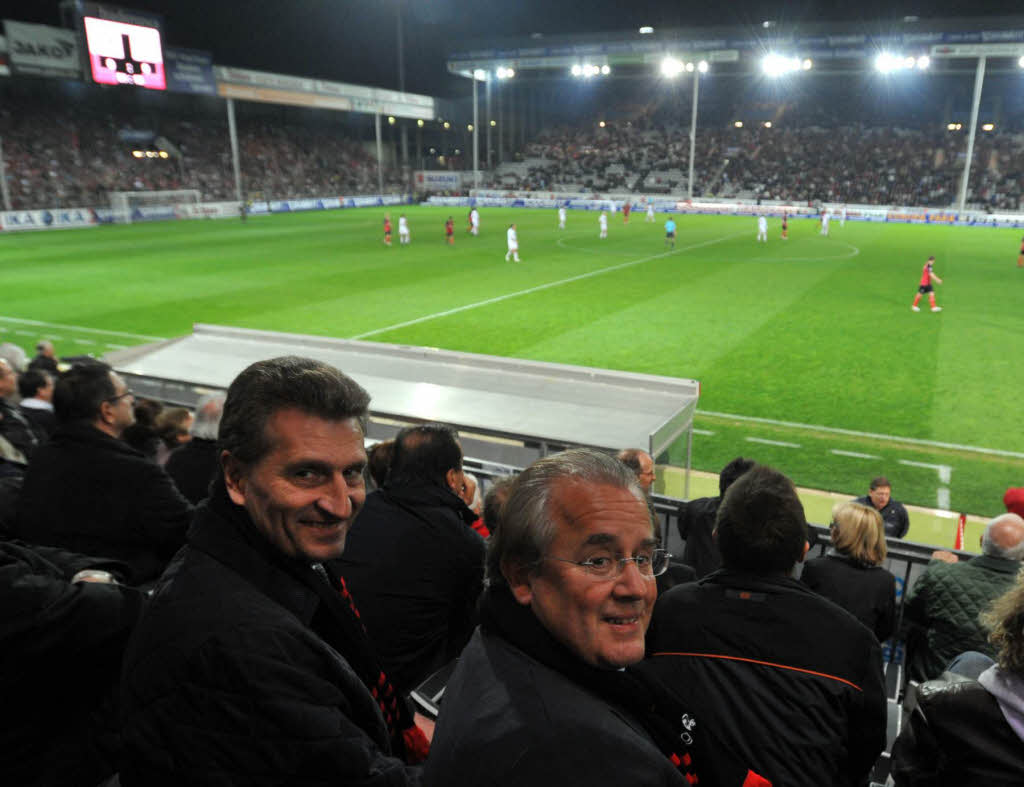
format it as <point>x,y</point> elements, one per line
<point>403,230</point>
<point>513,243</point>
<point>602,220</point>
<point>650,212</point>
<point>824,222</point>
<point>561,218</point>
<point>474,220</point>
<point>762,229</point>
<point>842,217</point>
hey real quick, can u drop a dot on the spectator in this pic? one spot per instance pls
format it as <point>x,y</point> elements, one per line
<point>141,433</point>
<point>65,627</point>
<point>14,426</point>
<point>940,614</point>
<point>540,696</point>
<point>697,521</point>
<point>494,500</point>
<point>46,358</point>
<point>193,465</point>
<point>1014,500</point>
<point>87,491</point>
<point>640,462</point>
<point>851,574</point>
<point>251,666</point>
<point>36,390</point>
<point>413,562</point>
<point>963,731</point>
<point>473,498</point>
<point>893,513</point>
<point>786,685</point>
<point>173,427</point>
<point>380,461</point>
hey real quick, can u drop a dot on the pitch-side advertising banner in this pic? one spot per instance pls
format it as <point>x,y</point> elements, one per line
<point>47,219</point>
<point>40,50</point>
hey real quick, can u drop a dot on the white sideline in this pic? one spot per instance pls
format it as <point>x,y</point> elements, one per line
<point>81,328</point>
<point>539,287</point>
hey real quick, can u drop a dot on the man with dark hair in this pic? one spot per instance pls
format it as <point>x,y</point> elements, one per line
<point>697,521</point>
<point>251,666</point>
<point>641,463</point>
<point>541,696</point>
<point>46,358</point>
<point>379,461</point>
<point>495,498</point>
<point>787,685</point>
<point>413,563</point>
<point>36,390</point>
<point>87,491</point>
<point>195,464</point>
<point>14,426</point>
<point>894,515</point>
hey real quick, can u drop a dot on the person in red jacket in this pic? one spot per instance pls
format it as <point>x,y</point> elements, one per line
<point>927,277</point>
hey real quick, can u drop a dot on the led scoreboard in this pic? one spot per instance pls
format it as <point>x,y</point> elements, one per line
<point>124,54</point>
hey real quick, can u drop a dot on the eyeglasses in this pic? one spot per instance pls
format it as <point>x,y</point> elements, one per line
<point>113,399</point>
<point>649,564</point>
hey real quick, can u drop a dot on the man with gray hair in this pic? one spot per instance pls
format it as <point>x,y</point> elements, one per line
<point>193,465</point>
<point>940,615</point>
<point>540,695</point>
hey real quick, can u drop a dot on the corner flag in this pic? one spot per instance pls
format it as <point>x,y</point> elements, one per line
<point>958,542</point>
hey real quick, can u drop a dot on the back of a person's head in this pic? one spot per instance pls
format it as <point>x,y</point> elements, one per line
<point>286,383</point>
<point>1004,537</point>
<point>209,410</point>
<point>80,392</point>
<point>732,471</point>
<point>378,461</point>
<point>173,424</point>
<point>425,453</point>
<point>146,413</point>
<point>30,382</point>
<point>761,526</point>
<point>1004,619</point>
<point>859,532</point>
<point>630,457</point>
<point>494,500</point>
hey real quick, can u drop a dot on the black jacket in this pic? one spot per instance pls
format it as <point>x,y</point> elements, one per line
<point>785,683</point>
<point>18,429</point>
<point>193,466</point>
<point>60,655</point>
<point>415,568</point>
<point>957,735</point>
<point>866,592</point>
<point>696,524</point>
<point>894,515</point>
<point>236,674</point>
<point>88,492</point>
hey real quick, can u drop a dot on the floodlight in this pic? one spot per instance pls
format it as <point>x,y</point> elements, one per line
<point>951,127</point>
<point>391,120</point>
<point>509,73</point>
<point>137,153</point>
<point>908,62</point>
<point>505,73</point>
<point>164,154</point>
<point>702,66</point>
<point>576,70</point>
<point>433,151</point>
<point>670,67</point>
<point>646,30</point>
<point>479,74</point>
<point>738,124</point>
<point>776,65</point>
<point>923,62</point>
<point>420,122</point>
<point>767,124</point>
<point>689,68</point>
<point>601,124</point>
<point>886,62</point>
<point>806,65</point>
<point>606,69</point>
<point>988,126</point>
<point>1021,61</point>
<point>494,123</point>
<point>447,125</point>
<point>469,127</point>
<point>458,152</point>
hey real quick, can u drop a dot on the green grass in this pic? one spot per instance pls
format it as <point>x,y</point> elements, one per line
<point>815,330</point>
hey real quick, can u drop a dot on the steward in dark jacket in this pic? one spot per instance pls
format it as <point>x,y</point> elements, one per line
<point>61,645</point>
<point>250,668</point>
<point>89,492</point>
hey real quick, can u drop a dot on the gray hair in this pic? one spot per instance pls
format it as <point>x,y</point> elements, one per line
<point>527,527</point>
<point>1004,538</point>
<point>209,409</point>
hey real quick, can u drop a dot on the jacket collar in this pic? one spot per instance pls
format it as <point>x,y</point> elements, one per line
<point>80,432</point>
<point>419,493</point>
<point>999,564</point>
<point>766,583</point>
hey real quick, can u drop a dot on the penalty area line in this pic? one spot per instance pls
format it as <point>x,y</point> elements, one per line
<point>539,288</point>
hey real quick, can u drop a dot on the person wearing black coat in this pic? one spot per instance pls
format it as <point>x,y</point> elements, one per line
<point>88,492</point>
<point>62,636</point>
<point>697,521</point>
<point>850,574</point>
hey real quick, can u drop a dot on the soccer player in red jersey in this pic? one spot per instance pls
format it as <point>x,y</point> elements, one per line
<point>449,231</point>
<point>1020,257</point>
<point>387,229</point>
<point>927,277</point>
<point>626,208</point>
<point>785,227</point>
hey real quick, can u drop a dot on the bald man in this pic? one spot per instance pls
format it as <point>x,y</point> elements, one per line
<point>641,463</point>
<point>940,615</point>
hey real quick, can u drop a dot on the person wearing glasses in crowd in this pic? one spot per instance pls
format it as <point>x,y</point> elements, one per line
<point>87,491</point>
<point>787,686</point>
<point>541,694</point>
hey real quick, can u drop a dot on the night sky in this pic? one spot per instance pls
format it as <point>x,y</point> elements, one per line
<point>355,41</point>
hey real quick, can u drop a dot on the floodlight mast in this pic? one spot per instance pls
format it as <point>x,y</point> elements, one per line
<point>693,133</point>
<point>979,78</point>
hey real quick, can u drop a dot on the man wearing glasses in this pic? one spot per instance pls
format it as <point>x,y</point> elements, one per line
<point>788,686</point>
<point>89,492</point>
<point>541,695</point>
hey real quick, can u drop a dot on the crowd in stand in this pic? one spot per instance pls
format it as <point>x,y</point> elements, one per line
<point>852,163</point>
<point>246,595</point>
<point>57,156</point>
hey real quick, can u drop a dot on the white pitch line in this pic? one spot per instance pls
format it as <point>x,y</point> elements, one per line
<point>703,431</point>
<point>872,435</point>
<point>854,454</point>
<point>82,328</point>
<point>540,287</point>
<point>942,498</point>
<point>944,471</point>
<point>771,442</point>
<point>83,341</point>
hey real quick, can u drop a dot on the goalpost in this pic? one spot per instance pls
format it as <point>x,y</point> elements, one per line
<point>123,203</point>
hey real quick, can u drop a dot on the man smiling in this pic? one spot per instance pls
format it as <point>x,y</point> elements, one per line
<point>540,696</point>
<point>252,666</point>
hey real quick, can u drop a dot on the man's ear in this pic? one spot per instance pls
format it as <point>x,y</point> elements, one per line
<point>234,477</point>
<point>104,413</point>
<point>518,577</point>
<point>807,546</point>
<point>453,479</point>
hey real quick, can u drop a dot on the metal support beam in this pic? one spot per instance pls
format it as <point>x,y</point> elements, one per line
<point>476,136</point>
<point>380,155</point>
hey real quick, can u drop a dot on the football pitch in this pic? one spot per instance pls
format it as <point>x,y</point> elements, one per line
<point>808,353</point>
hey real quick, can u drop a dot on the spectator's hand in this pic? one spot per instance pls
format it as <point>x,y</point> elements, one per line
<point>944,556</point>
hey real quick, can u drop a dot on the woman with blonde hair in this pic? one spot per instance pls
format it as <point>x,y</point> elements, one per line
<point>851,574</point>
